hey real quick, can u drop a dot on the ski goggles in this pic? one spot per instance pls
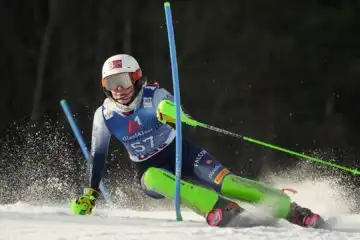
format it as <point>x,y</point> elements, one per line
<point>117,80</point>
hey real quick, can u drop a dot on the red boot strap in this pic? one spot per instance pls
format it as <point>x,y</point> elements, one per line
<point>284,190</point>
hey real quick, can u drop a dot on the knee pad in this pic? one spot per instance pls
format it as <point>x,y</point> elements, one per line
<point>209,171</point>
<point>148,189</point>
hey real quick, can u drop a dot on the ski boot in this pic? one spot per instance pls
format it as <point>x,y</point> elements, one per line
<point>223,213</point>
<point>305,217</point>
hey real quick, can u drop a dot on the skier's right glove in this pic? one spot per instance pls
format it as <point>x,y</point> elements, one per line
<point>84,204</point>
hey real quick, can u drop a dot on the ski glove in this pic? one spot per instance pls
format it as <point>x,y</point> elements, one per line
<point>84,204</point>
<point>166,113</point>
<point>165,118</point>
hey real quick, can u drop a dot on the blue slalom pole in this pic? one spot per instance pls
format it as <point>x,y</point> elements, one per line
<point>175,77</point>
<point>81,142</point>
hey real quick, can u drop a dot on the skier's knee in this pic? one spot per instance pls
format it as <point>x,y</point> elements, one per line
<point>148,188</point>
<point>210,171</point>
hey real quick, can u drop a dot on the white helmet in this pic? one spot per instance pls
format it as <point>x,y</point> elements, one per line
<point>123,70</point>
<point>124,67</point>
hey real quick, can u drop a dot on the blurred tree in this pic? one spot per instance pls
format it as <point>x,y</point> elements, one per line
<point>36,112</point>
<point>282,71</point>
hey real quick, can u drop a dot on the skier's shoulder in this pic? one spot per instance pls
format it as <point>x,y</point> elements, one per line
<point>153,91</point>
<point>106,109</point>
<point>98,112</point>
<point>98,115</point>
<point>162,94</point>
<point>151,87</point>
<point>158,91</point>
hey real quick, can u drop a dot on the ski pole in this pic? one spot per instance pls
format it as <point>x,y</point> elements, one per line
<point>166,108</point>
<point>82,144</point>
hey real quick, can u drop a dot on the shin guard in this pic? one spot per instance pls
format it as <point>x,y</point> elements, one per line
<point>252,191</point>
<point>199,199</point>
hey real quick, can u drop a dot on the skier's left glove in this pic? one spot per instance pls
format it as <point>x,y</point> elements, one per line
<point>84,204</point>
<point>165,113</point>
<point>165,118</point>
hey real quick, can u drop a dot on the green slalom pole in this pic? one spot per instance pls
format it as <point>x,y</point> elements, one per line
<point>166,107</point>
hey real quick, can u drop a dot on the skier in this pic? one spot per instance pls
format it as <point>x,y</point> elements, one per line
<point>132,114</point>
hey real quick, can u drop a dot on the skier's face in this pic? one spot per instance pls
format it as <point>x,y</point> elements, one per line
<point>123,95</point>
<point>121,87</point>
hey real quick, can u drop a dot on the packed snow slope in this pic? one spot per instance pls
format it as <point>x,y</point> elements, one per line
<point>28,221</point>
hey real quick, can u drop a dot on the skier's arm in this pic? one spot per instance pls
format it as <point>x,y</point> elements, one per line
<point>159,96</point>
<point>99,148</point>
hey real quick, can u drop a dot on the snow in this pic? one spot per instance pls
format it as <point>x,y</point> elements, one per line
<point>23,220</point>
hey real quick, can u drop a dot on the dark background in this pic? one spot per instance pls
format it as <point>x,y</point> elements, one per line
<point>286,72</point>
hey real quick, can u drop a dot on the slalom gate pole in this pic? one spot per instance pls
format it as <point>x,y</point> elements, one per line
<point>176,88</point>
<point>82,144</point>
